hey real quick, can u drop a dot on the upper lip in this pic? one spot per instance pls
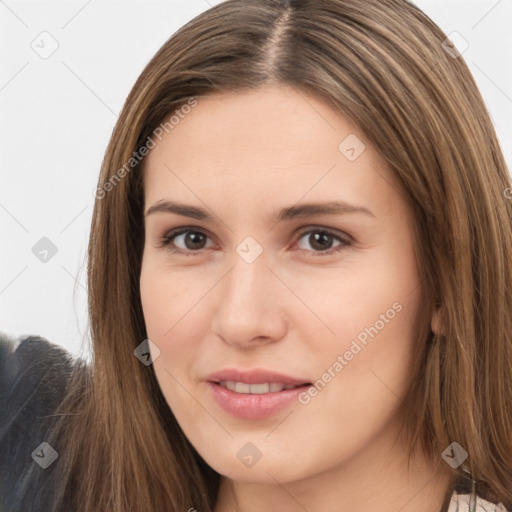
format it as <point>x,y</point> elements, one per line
<point>254,376</point>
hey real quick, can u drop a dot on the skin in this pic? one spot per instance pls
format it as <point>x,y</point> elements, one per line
<point>294,310</point>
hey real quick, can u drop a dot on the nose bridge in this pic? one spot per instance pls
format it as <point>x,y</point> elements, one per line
<point>247,307</point>
<point>248,277</point>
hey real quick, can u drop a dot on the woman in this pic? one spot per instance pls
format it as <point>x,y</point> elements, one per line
<point>339,338</point>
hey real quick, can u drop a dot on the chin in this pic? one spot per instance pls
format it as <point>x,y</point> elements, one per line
<point>235,463</point>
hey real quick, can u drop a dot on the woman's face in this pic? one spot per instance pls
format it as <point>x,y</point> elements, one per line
<point>256,283</point>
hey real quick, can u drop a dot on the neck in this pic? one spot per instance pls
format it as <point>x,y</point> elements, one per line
<point>373,482</point>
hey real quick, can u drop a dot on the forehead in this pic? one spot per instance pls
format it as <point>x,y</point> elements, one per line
<point>268,117</point>
<point>268,142</point>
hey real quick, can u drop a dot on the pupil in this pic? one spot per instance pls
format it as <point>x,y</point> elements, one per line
<point>195,237</point>
<point>323,239</point>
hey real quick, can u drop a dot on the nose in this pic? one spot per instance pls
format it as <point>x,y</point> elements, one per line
<point>250,309</point>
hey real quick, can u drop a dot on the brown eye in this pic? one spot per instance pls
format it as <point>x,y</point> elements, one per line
<point>321,241</point>
<point>186,241</point>
<point>194,240</point>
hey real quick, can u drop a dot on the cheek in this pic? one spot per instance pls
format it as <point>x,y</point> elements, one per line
<point>168,296</point>
<point>162,314</point>
<point>375,297</point>
<point>174,323</point>
<point>366,351</point>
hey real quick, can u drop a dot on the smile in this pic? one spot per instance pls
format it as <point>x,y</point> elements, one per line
<point>254,401</point>
<point>255,389</point>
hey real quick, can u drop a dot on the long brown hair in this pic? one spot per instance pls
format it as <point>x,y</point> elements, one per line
<point>381,63</point>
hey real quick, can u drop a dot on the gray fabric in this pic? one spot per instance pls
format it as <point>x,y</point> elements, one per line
<point>33,377</point>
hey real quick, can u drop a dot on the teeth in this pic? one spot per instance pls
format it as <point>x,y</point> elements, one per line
<point>255,389</point>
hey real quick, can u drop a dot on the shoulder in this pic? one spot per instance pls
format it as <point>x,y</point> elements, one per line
<point>34,374</point>
<point>461,503</point>
<point>465,498</point>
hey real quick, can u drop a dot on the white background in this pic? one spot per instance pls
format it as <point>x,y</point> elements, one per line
<point>58,114</point>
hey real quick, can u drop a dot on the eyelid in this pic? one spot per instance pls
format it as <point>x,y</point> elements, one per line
<point>340,235</point>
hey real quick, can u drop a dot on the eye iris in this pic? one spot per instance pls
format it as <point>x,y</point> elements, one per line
<point>196,238</point>
<point>323,239</point>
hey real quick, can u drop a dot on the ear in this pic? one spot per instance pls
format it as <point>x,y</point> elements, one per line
<point>435,322</point>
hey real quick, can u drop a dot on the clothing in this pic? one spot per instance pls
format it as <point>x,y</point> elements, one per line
<point>33,378</point>
<point>461,502</point>
<point>465,499</point>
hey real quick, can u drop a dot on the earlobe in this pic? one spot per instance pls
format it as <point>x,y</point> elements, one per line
<point>435,323</point>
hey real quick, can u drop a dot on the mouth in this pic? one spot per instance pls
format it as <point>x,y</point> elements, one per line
<point>257,389</point>
<point>254,395</point>
<point>255,401</point>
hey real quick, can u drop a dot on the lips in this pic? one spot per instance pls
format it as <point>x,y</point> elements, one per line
<point>256,376</point>
<point>254,394</point>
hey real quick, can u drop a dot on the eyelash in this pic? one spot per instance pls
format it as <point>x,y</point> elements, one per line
<point>166,240</point>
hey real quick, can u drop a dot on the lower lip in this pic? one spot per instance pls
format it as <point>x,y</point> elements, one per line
<point>254,407</point>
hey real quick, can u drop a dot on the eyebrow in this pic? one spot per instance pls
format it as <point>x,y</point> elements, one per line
<point>291,212</point>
